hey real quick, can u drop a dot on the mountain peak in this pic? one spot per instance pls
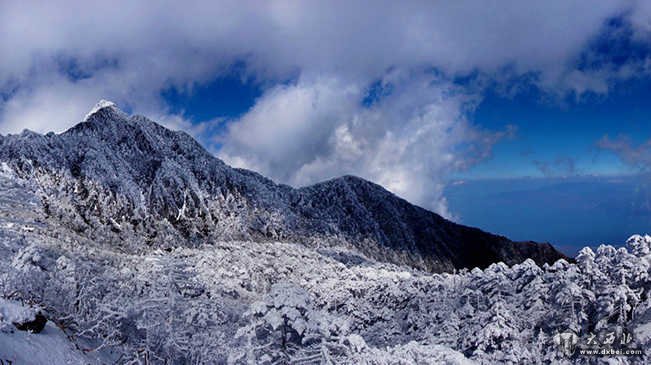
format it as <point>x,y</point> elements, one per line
<point>102,104</point>
<point>132,173</point>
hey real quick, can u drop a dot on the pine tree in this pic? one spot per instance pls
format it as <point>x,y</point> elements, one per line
<point>498,340</point>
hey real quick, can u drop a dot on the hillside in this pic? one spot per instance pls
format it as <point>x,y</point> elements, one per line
<point>241,302</point>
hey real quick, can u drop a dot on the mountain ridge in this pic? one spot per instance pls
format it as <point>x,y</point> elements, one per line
<point>115,175</point>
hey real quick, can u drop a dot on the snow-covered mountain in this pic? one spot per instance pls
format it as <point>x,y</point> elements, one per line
<point>136,246</point>
<point>152,186</point>
<point>237,302</point>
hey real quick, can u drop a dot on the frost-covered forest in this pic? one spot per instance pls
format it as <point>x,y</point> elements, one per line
<point>258,302</point>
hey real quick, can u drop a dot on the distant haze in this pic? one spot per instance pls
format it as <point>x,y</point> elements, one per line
<point>568,212</point>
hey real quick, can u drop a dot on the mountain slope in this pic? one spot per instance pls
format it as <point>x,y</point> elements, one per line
<point>248,302</point>
<point>129,181</point>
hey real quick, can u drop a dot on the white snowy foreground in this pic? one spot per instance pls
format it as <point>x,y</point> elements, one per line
<point>50,346</point>
<point>277,303</point>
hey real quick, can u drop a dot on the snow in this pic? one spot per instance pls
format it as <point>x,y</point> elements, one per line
<point>239,299</point>
<point>99,106</point>
<point>12,312</point>
<point>50,346</point>
<point>5,169</point>
<point>643,332</point>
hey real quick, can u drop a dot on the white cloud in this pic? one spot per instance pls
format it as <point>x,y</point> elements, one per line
<point>291,126</point>
<point>640,18</point>
<point>54,104</point>
<point>314,130</point>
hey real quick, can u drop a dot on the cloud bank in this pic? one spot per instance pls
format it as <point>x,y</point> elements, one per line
<point>59,59</point>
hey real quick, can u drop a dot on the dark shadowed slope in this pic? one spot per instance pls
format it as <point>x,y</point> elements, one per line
<point>131,182</point>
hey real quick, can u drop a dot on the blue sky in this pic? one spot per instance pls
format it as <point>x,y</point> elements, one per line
<point>552,177</point>
<point>561,138</point>
<point>533,93</point>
